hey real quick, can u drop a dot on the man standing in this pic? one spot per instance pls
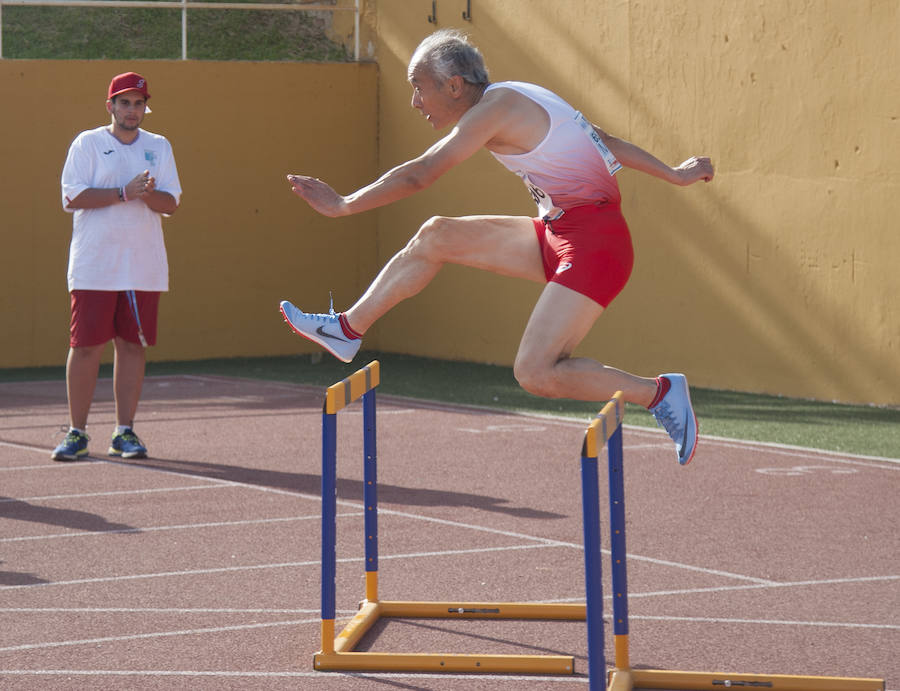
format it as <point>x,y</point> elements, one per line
<point>579,244</point>
<point>118,181</point>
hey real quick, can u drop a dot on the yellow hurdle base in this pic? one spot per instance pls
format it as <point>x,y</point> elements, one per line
<point>342,657</point>
<point>626,680</point>
<point>339,655</point>
<point>437,662</point>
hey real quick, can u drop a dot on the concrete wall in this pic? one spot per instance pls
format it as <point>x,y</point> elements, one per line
<point>240,242</point>
<point>778,277</point>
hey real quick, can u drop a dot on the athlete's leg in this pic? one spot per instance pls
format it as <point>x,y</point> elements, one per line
<point>544,366</point>
<point>128,379</point>
<point>506,245</point>
<point>82,367</point>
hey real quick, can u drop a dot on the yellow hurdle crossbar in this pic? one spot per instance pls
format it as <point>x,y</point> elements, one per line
<point>342,394</point>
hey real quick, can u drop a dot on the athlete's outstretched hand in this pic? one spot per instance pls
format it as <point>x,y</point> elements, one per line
<point>319,195</point>
<point>694,169</point>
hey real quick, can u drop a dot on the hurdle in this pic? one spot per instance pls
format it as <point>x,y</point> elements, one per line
<point>607,428</point>
<point>338,653</point>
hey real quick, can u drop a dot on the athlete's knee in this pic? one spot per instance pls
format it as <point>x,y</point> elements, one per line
<point>536,378</point>
<point>433,238</point>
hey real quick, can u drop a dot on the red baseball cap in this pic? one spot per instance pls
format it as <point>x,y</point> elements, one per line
<point>128,81</point>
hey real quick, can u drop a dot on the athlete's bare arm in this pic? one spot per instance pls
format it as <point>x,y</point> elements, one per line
<point>474,128</point>
<point>496,121</point>
<point>632,156</point>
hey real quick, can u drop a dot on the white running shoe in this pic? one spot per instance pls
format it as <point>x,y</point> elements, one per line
<point>324,329</point>
<point>676,415</point>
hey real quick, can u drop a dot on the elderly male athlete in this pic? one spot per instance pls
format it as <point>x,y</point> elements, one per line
<point>579,245</point>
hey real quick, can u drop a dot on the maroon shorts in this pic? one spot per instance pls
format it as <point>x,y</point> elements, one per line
<point>588,250</point>
<point>100,315</point>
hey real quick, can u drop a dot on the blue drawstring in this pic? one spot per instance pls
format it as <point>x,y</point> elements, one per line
<point>132,300</point>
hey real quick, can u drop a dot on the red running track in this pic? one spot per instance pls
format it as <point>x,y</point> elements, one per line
<point>199,567</point>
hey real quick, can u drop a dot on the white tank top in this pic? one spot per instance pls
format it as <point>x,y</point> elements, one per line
<point>571,166</point>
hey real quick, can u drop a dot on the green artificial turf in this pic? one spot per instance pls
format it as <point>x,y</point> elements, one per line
<point>857,429</point>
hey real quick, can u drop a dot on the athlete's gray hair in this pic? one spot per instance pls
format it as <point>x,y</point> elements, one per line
<point>447,53</point>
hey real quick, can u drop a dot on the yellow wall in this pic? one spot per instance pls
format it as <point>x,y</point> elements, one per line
<point>778,277</point>
<point>240,242</point>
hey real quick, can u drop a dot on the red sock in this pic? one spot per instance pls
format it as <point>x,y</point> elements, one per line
<point>662,388</point>
<point>345,327</point>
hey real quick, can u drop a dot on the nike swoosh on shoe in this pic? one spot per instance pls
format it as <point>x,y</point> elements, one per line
<point>322,332</point>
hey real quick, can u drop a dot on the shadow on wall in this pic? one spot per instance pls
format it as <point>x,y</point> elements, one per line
<point>721,281</point>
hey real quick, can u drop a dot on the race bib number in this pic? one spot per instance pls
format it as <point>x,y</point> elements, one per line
<point>546,208</point>
<point>612,165</point>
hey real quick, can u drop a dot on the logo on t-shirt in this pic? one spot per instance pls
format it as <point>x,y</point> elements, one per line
<point>150,157</point>
<point>565,266</point>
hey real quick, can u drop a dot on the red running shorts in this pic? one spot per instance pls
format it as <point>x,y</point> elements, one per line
<point>587,250</point>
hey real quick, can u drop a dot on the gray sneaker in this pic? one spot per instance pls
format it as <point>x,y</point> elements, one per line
<point>675,414</point>
<point>324,329</point>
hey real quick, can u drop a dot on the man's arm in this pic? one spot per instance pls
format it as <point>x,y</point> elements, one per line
<point>159,201</point>
<point>479,124</point>
<point>142,187</point>
<point>632,156</point>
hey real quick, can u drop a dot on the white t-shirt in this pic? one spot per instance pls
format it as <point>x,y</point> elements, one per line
<point>571,166</point>
<point>117,247</point>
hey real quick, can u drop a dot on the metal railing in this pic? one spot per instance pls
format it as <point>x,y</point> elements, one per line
<point>184,6</point>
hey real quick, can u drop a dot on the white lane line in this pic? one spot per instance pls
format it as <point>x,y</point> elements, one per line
<point>43,466</point>
<point>162,610</point>
<point>382,678</point>
<point>299,622</point>
<point>111,493</point>
<point>263,567</point>
<point>790,584</point>
<point>437,554</point>
<point>157,634</point>
<point>573,545</point>
<point>186,526</point>
<point>698,569</point>
<point>800,451</point>
<point>776,622</point>
<point>28,447</point>
<point>759,586</point>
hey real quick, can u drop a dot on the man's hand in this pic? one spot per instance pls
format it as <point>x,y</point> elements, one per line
<point>319,195</point>
<point>143,187</point>
<point>140,185</point>
<point>694,169</point>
